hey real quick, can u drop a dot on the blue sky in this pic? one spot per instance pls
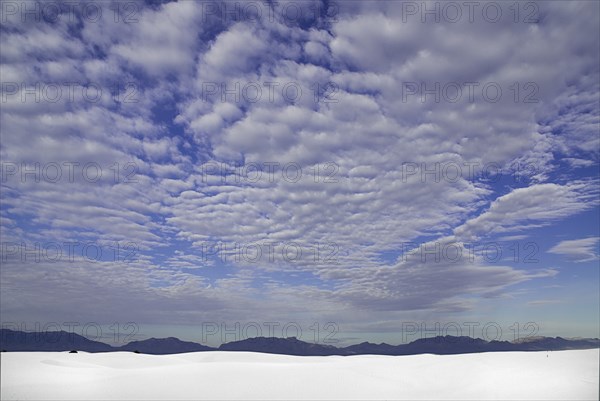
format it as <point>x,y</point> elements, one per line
<point>365,164</point>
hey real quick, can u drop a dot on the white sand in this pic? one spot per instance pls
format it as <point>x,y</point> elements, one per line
<point>558,375</point>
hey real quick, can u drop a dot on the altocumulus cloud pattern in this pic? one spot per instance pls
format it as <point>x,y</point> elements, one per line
<point>335,168</point>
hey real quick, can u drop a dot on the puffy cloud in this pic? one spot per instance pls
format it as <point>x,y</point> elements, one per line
<point>335,150</point>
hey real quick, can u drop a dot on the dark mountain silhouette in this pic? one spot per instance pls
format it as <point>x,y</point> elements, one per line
<point>370,348</point>
<point>443,345</point>
<point>434,345</point>
<point>62,341</point>
<point>504,346</point>
<point>158,346</point>
<point>277,345</point>
<point>11,340</point>
<point>554,343</point>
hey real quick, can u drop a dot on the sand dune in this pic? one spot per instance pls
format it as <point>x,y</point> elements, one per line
<point>244,375</point>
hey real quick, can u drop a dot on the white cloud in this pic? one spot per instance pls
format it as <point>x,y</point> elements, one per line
<point>361,139</point>
<point>537,204</point>
<point>579,250</point>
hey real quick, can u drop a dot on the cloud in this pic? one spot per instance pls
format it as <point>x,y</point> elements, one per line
<point>578,250</point>
<point>321,164</point>
<point>440,275</point>
<point>537,204</point>
<point>543,302</point>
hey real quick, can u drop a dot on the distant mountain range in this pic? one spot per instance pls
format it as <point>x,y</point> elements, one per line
<point>169,345</point>
<point>11,340</point>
